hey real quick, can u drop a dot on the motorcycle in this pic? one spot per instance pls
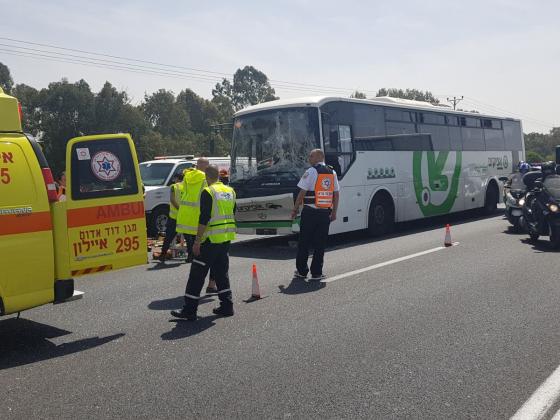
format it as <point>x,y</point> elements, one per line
<point>514,198</point>
<point>541,209</point>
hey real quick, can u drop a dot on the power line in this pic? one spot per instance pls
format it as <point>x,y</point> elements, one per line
<point>492,109</point>
<point>548,124</point>
<point>295,84</point>
<point>71,59</point>
<point>201,75</point>
<point>109,56</point>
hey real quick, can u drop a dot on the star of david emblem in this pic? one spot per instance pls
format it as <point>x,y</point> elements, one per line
<point>106,166</point>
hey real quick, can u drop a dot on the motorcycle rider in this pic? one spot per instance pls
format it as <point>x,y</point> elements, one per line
<point>515,181</point>
<point>514,191</point>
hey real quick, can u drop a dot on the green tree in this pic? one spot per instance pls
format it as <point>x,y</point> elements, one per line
<point>543,144</point>
<point>109,107</point>
<point>6,81</point>
<point>358,95</point>
<point>30,100</point>
<point>533,157</point>
<point>164,115</point>
<point>224,107</point>
<point>250,87</point>
<point>200,111</point>
<point>413,94</point>
<point>68,110</point>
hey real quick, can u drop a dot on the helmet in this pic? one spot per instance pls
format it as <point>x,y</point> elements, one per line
<point>524,167</point>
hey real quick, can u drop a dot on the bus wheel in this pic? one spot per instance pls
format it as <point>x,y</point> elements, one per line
<point>381,218</point>
<point>491,199</point>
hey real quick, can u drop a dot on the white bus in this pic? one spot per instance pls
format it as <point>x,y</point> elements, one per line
<point>397,160</point>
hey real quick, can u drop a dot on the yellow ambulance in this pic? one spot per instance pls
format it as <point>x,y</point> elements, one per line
<point>46,241</point>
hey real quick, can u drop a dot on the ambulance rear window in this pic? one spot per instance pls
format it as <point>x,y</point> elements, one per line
<point>103,168</point>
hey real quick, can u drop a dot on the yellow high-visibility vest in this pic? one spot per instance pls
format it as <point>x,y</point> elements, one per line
<point>221,227</point>
<point>177,190</point>
<point>194,182</point>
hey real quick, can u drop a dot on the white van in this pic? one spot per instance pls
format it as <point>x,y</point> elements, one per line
<point>157,176</point>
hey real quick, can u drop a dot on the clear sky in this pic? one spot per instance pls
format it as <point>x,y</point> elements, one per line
<point>502,55</point>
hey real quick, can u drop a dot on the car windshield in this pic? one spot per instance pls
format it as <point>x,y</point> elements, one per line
<point>155,174</point>
<point>274,143</point>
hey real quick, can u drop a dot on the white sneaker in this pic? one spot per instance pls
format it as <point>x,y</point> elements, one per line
<point>318,278</point>
<point>298,275</point>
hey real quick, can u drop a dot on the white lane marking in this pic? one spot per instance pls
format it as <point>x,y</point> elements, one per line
<point>383,264</point>
<point>538,405</point>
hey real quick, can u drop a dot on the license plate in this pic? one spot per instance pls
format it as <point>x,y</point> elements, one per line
<point>516,212</point>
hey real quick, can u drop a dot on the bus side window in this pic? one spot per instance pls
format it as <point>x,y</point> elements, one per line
<point>338,148</point>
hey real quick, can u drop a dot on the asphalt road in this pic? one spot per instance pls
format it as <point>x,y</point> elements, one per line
<point>464,332</point>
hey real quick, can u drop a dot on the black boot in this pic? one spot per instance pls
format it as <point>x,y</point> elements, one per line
<point>184,315</point>
<point>221,311</point>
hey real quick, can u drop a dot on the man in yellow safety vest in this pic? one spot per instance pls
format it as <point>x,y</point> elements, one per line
<point>194,182</point>
<point>176,191</point>
<point>215,231</point>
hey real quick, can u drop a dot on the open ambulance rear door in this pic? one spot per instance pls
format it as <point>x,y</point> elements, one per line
<point>101,225</point>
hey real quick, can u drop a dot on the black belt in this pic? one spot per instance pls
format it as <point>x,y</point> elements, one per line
<point>316,209</point>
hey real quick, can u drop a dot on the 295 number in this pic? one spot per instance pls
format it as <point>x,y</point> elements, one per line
<point>128,244</point>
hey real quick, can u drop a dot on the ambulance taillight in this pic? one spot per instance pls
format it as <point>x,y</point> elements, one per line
<point>20,112</point>
<point>52,194</point>
<point>49,183</point>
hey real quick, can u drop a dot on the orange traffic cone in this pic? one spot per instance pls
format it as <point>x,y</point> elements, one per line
<point>256,290</point>
<point>447,241</point>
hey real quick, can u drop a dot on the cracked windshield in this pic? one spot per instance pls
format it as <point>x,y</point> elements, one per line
<point>273,146</point>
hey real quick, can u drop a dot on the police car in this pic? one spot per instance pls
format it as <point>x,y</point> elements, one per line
<point>158,175</point>
<point>45,242</point>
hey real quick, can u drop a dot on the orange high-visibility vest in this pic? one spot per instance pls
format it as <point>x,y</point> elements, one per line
<point>322,197</point>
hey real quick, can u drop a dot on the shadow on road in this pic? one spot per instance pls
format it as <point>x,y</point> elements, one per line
<point>514,231</point>
<point>23,342</point>
<point>174,303</point>
<point>539,246</point>
<point>185,329</point>
<point>298,287</point>
<point>267,249</point>
<point>278,248</point>
<point>163,266</point>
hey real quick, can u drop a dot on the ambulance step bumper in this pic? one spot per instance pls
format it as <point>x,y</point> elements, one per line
<point>76,296</point>
<point>64,291</point>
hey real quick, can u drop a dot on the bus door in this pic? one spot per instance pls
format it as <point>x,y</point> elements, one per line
<point>105,220</point>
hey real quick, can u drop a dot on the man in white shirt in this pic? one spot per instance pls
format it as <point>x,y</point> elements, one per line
<point>319,194</point>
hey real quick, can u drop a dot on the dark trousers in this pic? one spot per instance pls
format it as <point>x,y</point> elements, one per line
<point>170,232</point>
<point>212,257</point>
<point>190,242</point>
<point>313,233</point>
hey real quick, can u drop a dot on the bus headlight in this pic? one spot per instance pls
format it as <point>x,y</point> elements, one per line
<point>553,208</point>
<point>521,202</point>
